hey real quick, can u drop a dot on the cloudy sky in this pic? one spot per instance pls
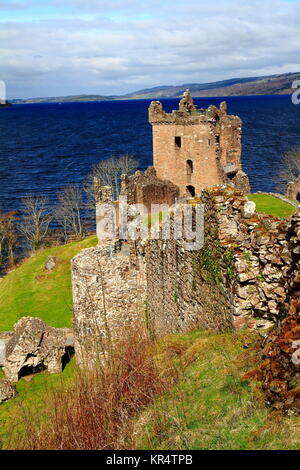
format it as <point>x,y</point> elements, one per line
<point>54,47</point>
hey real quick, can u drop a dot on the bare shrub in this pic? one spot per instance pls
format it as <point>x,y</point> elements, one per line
<point>97,410</point>
<point>35,220</point>
<point>8,237</point>
<point>68,212</point>
<point>109,172</point>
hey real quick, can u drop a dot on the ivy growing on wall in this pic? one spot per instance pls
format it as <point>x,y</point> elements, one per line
<point>209,261</point>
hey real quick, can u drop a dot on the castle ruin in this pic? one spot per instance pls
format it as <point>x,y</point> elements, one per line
<point>195,148</point>
<point>240,277</point>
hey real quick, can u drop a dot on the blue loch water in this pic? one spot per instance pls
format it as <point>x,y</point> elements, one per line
<point>46,146</point>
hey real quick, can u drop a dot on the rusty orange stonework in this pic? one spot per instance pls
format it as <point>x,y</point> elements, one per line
<point>195,148</point>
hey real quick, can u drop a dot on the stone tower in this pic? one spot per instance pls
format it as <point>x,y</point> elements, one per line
<point>195,148</point>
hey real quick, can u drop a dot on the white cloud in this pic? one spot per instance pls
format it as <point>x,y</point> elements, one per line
<point>188,42</point>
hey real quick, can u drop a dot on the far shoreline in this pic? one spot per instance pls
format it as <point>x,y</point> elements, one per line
<point>13,103</point>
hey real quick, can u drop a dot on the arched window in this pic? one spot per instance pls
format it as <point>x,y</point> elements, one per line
<point>189,167</point>
<point>191,191</point>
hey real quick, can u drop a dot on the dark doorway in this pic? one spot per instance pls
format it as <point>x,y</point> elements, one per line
<point>191,191</point>
<point>30,370</point>
<point>69,353</point>
<point>298,197</point>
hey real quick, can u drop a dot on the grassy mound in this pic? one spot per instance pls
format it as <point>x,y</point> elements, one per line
<point>29,290</point>
<point>271,205</point>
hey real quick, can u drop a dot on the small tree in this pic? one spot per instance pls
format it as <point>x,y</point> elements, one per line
<point>290,169</point>
<point>109,172</point>
<point>35,220</point>
<point>8,236</point>
<point>68,212</point>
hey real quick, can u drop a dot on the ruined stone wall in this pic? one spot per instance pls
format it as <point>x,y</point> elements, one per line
<point>262,258</point>
<point>279,370</point>
<point>239,278</point>
<point>230,140</point>
<point>180,294</point>
<point>240,181</point>
<point>108,297</point>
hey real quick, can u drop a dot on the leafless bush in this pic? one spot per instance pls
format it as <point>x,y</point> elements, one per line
<point>8,237</point>
<point>68,212</point>
<point>109,172</point>
<point>35,220</point>
<point>97,410</point>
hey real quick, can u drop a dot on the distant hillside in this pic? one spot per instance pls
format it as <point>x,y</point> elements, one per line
<point>268,85</point>
<point>63,99</point>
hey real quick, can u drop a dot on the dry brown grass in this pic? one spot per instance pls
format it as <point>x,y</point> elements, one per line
<point>97,410</point>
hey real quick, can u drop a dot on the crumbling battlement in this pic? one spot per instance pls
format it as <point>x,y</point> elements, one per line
<point>147,189</point>
<point>141,188</point>
<point>195,148</point>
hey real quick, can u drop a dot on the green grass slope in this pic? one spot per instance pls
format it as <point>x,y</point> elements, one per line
<point>271,205</point>
<point>29,290</point>
<point>212,407</point>
<point>31,395</point>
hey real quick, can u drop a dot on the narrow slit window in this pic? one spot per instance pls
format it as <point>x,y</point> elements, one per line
<point>178,141</point>
<point>189,167</point>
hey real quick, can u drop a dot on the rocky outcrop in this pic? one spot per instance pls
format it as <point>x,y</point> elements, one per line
<point>7,390</point>
<point>51,263</point>
<point>34,346</point>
